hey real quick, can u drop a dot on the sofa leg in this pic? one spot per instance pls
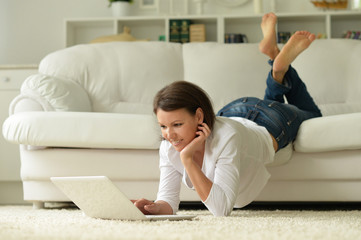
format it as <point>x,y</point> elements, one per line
<point>38,205</point>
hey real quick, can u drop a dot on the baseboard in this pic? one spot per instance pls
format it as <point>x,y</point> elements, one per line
<point>11,193</point>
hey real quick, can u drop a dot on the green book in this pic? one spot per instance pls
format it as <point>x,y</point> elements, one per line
<point>184,30</point>
<point>174,31</point>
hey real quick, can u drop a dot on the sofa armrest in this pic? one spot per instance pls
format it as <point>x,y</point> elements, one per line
<point>40,92</point>
<point>83,130</point>
<point>331,133</point>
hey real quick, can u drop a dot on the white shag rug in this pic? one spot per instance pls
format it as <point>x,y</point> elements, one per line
<point>22,222</point>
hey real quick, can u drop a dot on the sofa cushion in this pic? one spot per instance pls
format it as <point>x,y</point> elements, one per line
<point>226,71</point>
<point>53,94</point>
<point>331,133</point>
<point>83,130</point>
<point>118,76</point>
<point>331,70</point>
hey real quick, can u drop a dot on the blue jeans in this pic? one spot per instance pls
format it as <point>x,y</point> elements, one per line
<point>280,119</point>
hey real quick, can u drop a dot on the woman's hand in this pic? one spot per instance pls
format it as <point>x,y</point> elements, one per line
<point>197,144</point>
<point>153,208</point>
<point>146,207</point>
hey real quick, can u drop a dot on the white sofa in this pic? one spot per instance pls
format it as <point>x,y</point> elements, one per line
<point>89,112</point>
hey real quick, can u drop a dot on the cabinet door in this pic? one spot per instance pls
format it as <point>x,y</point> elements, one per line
<point>10,82</point>
<point>9,153</point>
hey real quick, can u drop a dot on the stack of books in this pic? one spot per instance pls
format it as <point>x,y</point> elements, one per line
<point>235,38</point>
<point>183,31</point>
<point>179,30</point>
<point>353,35</point>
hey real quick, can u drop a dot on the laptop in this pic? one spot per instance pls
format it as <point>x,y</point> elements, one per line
<point>99,197</point>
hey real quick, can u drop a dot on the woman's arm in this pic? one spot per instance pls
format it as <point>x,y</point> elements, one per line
<point>201,183</point>
<point>219,196</point>
<point>226,180</point>
<point>192,153</point>
<point>169,182</point>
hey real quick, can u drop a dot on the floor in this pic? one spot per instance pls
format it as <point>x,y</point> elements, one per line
<point>317,206</point>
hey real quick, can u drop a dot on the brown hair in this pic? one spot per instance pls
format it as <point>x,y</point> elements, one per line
<point>183,94</point>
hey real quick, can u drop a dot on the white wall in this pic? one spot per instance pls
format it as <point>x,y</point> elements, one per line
<point>30,29</point>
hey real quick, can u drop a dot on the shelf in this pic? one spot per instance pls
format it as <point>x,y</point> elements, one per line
<point>250,26</point>
<point>342,23</point>
<point>332,24</point>
<point>312,23</point>
<point>83,31</point>
<point>143,29</point>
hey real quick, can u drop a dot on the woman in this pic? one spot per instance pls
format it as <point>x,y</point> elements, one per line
<point>223,158</point>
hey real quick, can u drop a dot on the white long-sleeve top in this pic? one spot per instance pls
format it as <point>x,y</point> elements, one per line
<point>234,160</point>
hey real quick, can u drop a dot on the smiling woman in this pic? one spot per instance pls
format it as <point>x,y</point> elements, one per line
<point>223,158</point>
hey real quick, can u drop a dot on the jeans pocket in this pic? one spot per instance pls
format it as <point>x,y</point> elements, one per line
<point>289,114</point>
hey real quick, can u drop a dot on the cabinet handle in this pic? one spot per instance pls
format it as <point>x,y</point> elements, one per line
<point>5,79</point>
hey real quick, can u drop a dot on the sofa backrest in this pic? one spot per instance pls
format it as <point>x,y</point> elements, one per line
<point>226,71</point>
<point>125,76</point>
<point>330,68</point>
<point>118,76</point>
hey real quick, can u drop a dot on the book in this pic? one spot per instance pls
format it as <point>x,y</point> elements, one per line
<point>357,35</point>
<point>197,32</point>
<point>235,38</point>
<point>174,31</point>
<point>184,31</point>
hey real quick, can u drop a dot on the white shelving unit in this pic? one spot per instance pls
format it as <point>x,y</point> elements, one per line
<point>331,24</point>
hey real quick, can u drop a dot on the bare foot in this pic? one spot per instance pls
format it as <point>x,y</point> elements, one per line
<point>299,42</point>
<point>268,45</point>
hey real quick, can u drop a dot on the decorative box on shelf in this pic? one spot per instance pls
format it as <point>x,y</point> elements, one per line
<point>334,4</point>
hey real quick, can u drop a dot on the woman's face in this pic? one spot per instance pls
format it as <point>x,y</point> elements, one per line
<point>179,126</point>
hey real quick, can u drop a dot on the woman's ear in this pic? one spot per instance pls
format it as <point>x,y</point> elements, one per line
<point>200,115</point>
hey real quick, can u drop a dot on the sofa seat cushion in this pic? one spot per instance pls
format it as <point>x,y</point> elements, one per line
<point>83,130</point>
<point>331,133</point>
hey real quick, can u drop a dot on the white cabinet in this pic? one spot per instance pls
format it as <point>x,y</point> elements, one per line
<point>331,24</point>
<point>11,78</point>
